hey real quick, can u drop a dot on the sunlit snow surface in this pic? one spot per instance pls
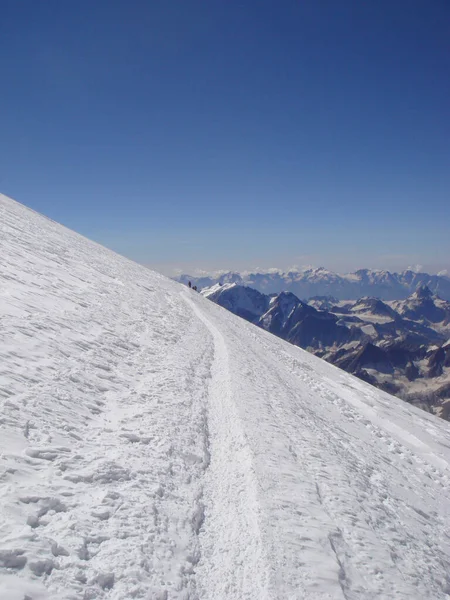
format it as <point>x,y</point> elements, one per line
<point>155,446</point>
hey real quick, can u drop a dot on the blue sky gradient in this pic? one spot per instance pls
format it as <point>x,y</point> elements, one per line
<point>241,134</point>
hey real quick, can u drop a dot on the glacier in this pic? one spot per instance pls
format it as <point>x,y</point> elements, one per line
<point>154,445</point>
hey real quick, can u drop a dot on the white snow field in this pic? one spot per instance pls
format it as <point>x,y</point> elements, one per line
<point>153,445</point>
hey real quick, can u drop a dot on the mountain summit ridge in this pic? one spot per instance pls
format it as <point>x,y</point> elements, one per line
<point>304,284</point>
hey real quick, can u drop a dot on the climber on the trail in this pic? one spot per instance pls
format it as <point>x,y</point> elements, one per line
<point>190,284</point>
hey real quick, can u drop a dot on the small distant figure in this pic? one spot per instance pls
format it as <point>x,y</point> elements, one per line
<point>190,284</point>
<point>195,288</point>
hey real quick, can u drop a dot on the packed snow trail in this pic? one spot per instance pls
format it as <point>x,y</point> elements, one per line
<point>351,502</point>
<point>153,445</point>
<point>232,564</point>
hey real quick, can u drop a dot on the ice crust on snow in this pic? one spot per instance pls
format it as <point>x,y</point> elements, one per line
<point>153,445</point>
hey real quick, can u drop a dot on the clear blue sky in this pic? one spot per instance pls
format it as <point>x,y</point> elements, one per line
<point>233,133</point>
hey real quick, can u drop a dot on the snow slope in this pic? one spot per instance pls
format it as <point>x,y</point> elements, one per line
<point>153,445</point>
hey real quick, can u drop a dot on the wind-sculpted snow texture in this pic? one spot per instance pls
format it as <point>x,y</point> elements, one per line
<point>153,445</point>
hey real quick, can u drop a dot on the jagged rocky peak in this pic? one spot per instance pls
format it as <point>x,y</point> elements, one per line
<point>423,305</point>
<point>374,306</point>
<point>287,299</point>
<point>283,306</point>
<point>423,292</point>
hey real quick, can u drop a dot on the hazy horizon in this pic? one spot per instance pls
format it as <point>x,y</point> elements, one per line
<point>174,270</point>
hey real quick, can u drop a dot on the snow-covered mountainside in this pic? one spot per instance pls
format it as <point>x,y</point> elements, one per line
<point>154,445</point>
<point>321,282</point>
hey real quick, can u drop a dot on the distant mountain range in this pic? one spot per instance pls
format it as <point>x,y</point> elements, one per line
<point>400,346</point>
<point>321,282</point>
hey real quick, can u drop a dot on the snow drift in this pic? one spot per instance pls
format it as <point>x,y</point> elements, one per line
<point>153,445</point>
